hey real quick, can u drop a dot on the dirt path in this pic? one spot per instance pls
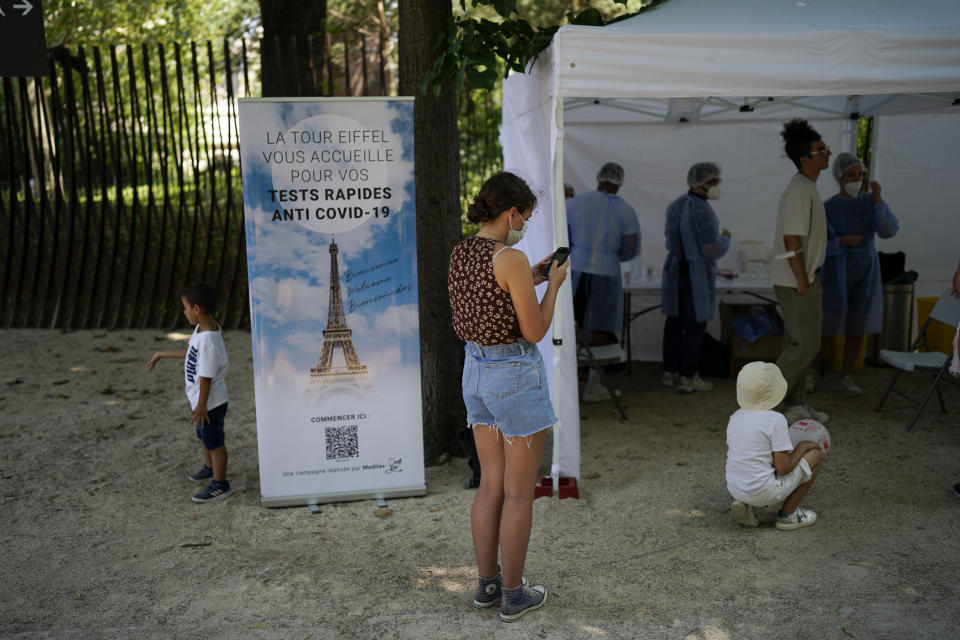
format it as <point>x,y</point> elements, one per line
<point>101,539</point>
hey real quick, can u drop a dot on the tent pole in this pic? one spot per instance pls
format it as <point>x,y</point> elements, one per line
<point>559,234</point>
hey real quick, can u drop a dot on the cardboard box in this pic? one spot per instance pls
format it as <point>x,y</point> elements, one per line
<point>766,348</point>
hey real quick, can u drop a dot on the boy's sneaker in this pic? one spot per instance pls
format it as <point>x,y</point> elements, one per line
<point>668,379</point>
<point>849,387</point>
<point>796,520</point>
<point>520,600</point>
<point>205,473</point>
<point>801,411</point>
<point>214,491</point>
<point>489,591</point>
<point>743,514</point>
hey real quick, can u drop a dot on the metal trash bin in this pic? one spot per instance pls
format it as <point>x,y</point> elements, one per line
<point>897,329</point>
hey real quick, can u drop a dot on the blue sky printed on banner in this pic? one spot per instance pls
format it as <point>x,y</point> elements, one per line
<point>289,263</point>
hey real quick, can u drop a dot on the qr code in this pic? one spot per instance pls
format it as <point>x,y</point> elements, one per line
<point>342,442</point>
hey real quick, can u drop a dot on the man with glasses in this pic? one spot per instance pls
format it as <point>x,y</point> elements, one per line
<point>800,247</point>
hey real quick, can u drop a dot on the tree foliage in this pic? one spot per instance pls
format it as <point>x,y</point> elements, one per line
<point>74,23</point>
<point>480,45</point>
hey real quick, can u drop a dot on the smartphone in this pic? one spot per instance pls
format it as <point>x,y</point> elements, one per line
<point>560,255</point>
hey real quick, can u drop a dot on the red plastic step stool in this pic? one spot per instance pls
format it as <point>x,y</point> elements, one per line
<point>567,488</point>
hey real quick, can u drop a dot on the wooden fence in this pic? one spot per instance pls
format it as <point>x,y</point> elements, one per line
<point>120,177</point>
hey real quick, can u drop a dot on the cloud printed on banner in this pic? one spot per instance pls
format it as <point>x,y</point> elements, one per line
<point>289,269</point>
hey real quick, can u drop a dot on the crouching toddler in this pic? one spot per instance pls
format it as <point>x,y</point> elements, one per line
<point>763,466</point>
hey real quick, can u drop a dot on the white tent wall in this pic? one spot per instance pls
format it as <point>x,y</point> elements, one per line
<point>533,162</point>
<point>754,172</point>
<point>916,163</point>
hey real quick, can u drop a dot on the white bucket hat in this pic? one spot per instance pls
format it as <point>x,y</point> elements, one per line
<point>760,386</point>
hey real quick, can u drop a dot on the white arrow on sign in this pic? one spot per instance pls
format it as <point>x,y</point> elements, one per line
<point>25,5</point>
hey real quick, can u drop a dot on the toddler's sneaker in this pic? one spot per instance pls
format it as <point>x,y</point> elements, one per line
<point>489,591</point>
<point>743,514</point>
<point>668,379</point>
<point>214,491</point>
<point>849,387</point>
<point>520,600</point>
<point>205,473</point>
<point>796,520</point>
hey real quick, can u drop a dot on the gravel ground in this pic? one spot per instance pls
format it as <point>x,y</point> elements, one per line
<point>102,540</point>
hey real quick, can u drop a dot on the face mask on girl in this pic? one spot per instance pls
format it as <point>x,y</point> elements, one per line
<point>513,236</point>
<point>852,188</point>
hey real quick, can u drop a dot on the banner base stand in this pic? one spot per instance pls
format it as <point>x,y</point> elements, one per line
<point>567,487</point>
<point>343,496</point>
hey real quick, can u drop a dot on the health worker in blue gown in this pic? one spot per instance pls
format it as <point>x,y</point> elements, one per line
<point>689,287</point>
<point>852,287</point>
<point>604,232</point>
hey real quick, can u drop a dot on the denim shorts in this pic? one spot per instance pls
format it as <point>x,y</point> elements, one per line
<point>506,385</point>
<point>211,433</point>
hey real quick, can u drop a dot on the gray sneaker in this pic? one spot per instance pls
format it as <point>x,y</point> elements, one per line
<point>520,600</point>
<point>489,591</point>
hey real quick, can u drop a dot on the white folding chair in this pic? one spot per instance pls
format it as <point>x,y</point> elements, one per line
<point>597,358</point>
<point>946,310</point>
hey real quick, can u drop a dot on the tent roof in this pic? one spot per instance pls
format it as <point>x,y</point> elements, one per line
<point>737,48</point>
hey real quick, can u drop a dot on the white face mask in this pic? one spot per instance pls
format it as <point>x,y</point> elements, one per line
<point>513,237</point>
<point>852,188</point>
<point>713,193</point>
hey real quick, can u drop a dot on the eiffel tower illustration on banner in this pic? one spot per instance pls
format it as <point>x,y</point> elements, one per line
<point>325,376</point>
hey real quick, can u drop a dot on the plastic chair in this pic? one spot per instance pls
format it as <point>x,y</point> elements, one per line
<point>947,310</point>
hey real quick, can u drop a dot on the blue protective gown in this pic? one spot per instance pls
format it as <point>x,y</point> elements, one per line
<point>690,226</point>
<point>598,225</point>
<point>852,287</point>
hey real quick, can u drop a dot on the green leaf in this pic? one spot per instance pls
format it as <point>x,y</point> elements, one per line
<point>505,7</point>
<point>486,79</point>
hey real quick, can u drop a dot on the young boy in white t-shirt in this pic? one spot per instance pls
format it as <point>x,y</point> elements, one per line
<point>763,466</point>
<point>204,367</point>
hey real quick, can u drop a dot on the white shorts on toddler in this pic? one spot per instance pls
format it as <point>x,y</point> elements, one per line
<point>778,488</point>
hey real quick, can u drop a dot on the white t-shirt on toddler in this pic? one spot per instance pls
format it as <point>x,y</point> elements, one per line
<point>206,358</point>
<point>752,437</point>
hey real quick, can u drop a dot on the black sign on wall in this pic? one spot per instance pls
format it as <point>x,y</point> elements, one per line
<point>23,44</point>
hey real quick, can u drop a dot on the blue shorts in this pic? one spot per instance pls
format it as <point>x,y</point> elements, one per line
<point>211,433</point>
<point>506,385</point>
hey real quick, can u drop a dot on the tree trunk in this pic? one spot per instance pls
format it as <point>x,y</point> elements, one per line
<point>286,66</point>
<point>438,223</point>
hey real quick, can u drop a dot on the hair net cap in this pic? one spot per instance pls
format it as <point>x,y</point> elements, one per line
<point>701,172</point>
<point>842,162</point>
<point>760,386</point>
<point>612,173</point>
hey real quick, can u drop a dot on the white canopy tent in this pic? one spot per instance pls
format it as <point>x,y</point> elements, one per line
<point>695,80</point>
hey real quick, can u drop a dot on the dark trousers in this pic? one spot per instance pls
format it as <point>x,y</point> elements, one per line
<point>682,334</point>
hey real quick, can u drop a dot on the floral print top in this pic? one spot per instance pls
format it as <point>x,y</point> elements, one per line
<point>482,311</point>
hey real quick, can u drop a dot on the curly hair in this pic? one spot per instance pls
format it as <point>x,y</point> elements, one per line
<point>797,136</point>
<point>500,192</point>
